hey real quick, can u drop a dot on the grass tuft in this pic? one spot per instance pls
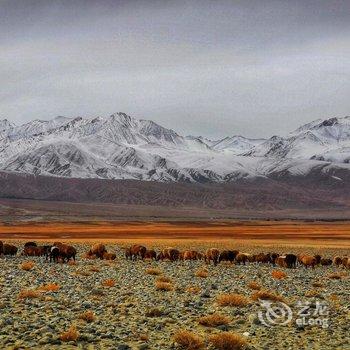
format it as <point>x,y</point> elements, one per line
<point>232,300</point>
<point>188,341</point>
<point>27,265</point>
<point>108,283</point>
<point>70,335</point>
<point>254,285</point>
<point>87,316</point>
<point>164,286</point>
<point>202,273</point>
<point>28,294</point>
<point>50,287</point>
<point>266,295</point>
<point>228,341</point>
<point>153,271</point>
<point>278,274</point>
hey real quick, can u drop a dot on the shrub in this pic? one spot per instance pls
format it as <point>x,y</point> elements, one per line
<point>232,300</point>
<point>164,286</point>
<point>28,294</point>
<point>278,274</point>
<point>188,340</point>
<point>27,265</point>
<point>153,271</point>
<point>108,283</point>
<point>70,335</point>
<point>227,341</point>
<point>213,320</point>
<point>266,295</point>
<point>203,273</point>
<point>164,279</point>
<point>87,316</point>
<point>254,285</point>
<point>51,287</point>
<point>312,293</point>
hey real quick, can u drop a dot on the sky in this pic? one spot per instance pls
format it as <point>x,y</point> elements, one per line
<point>211,68</point>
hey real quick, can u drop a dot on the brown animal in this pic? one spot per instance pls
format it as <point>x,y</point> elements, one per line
<point>189,255</point>
<point>307,261</point>
<point>1,247</point>
<point>67,252</point>
<point>9,249</point>
<point>171,254</point>
<point>109,256</point>
<point>98,250</point>
<point>326,262</point>
<point>212,254</point>
<point>33,251</point>
<point>151,255</point>
<point>337,261</point>
<point>262,258</point>
<point>291,261</point>
<point>137,251</point>
<point>281,261</point>
<point>228,255</point>
<point>318,259</point>
<point>128,254</point>
<point>243,258</point>
<point>346,262</point>
<point>273,257</point>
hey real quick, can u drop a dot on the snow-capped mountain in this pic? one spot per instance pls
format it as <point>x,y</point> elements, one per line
<point>123,147</point>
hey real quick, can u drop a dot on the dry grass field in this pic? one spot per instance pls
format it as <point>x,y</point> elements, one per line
<point>235,232</point>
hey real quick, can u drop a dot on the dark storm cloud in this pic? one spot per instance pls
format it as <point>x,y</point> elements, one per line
<point>203,67</point>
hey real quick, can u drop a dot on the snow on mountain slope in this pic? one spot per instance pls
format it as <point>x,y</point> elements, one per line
<point>123,147</point>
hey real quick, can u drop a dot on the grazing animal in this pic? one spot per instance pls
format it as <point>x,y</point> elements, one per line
<point>346,262</point>
<point>151,255</point>
<point>189,255</point>
<point>273,257</point>
<point>137,251</point>
<point>243,258</point>
<point>262,258</point>
<point>326,262</point>
<point>281,261</point>
<point>307,261</point>
<point>291,261</point>
<point>1,247</point>
<point>33,251</point>
<point>98,250</point>
<point>318,259</point>
<point>54,254</point>
<point>30,244</point>
<point>67,252</point>
<point>9,249</point>
<point>128,254</point>
<point>228,255</point>
<point>109,256</point>
<point>171,254</point>
<point>337,261</point>
<point>212,254</point>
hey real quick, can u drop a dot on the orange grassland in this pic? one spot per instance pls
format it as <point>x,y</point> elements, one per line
<point>255,233</point>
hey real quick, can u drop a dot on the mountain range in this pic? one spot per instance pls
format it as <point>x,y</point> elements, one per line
<point>123,147</point>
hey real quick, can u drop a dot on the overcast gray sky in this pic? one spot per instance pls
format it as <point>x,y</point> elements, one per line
<point>214,68</point>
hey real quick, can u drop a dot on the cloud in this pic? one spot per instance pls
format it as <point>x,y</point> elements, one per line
<point>200,67</point>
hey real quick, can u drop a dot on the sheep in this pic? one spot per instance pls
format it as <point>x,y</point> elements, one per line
<point>151,254</point>
<point>228,255</point>
<point>212,254</point>
<point>171,254</point>
<point>243,258</point>
<point>97,249</point>
<point>337,261</point>
<point>9,249</point>
<point>307,261</point>
<point>291,261</point>
<point>137,251</point>
<point>189,255</point>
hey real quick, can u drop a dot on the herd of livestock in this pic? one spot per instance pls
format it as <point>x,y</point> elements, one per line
<point>60,252</point>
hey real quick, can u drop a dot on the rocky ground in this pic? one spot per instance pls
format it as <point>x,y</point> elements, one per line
<point>128,312</point>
